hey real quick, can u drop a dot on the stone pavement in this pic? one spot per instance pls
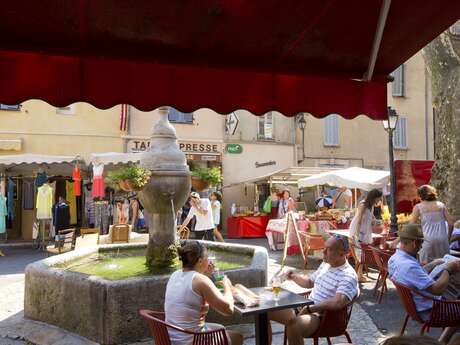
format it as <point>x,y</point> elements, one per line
<point>369,324</point>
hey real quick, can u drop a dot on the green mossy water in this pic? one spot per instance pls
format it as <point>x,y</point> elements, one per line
<point>131,264</point>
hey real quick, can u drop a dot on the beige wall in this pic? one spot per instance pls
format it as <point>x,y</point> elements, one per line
<point>363,142</point>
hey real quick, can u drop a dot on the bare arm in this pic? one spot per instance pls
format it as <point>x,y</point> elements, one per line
<point>339,301</point>
<point>222,303</point>
<point>440,284</point>
<point>450,221</point>
<point>300,279</point>
<point>415,215</point>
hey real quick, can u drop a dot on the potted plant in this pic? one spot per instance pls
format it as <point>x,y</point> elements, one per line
<point>202,178</point>
<point>130,178</point>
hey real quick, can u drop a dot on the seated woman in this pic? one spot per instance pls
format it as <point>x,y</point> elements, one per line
<point>455,237</point>
<point>190,293</point>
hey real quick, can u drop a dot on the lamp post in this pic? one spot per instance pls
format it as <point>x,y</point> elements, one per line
<point>390,125</point>
<point>302,125</point>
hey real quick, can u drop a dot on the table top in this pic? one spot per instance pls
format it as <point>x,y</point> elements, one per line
<point>346,233</point>
<point>286,300</point>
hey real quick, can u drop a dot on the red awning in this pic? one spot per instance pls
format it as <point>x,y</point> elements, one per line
<point>291,56</point>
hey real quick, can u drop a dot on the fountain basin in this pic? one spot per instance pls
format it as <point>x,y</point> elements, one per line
<point>106,311</point>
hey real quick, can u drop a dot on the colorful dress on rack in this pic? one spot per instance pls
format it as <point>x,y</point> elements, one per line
<point>10,198</point>
<point>70,197</point>
<point>76,176</point>
<point>3,214</point>
<point>44,202</point>
<point>98,181</point>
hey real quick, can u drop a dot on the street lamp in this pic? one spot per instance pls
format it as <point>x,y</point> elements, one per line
<point>390,125</point>
<point>302,125</point>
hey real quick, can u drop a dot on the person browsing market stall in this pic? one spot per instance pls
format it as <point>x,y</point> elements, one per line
<point>201,209</point>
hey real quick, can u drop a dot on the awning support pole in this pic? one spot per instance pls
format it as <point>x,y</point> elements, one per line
<point>377,39</point>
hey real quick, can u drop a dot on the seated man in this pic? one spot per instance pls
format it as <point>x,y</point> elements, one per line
<point>404,268</point>
<point>334,283</point>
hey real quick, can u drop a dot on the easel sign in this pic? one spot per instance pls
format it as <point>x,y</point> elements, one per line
<point>291,225</point>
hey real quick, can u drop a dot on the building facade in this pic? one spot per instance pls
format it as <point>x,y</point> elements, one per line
<point>337,142</point>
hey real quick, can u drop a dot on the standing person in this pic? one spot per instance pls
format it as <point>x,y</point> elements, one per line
<point>216,206</point>
<point>361,226</point>
<point>286,204</point>
<point>275,203</point>
<point>434,217</point>
<point>190,293</point>
<point>343,198</point>
<point>201,209</point>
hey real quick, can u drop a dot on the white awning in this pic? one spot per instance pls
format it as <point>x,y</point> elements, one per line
<point>115,158</point>
<point>355,177</point>
<point>29,158</point>
<point>285,176</point>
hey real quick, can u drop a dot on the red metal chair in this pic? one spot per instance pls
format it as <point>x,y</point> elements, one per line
<point>333,324</point>
<point>159,330</point>
<point>311,242</point>
<point>443,314</point>
<point>367,258</point>
<point>381,257</point>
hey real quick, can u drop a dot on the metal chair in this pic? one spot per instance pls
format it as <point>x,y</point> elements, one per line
<point>159,330</point>
<point>367,258</point>
<point>332,324</point>
<point>311,242</point>
<point>63,242</point>
<point>88,237</point>
<point>381,257</point>
<point>443,313</point>
<point>183,234</point>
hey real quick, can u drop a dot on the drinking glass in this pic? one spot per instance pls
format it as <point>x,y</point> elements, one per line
<point>276,287</point>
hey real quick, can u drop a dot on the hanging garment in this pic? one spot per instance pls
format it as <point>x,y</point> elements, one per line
<point>76,176</point>
<point>40,179</point>
<point>101,217</point>
<point>10,198</point>
<point>72,201</point>
<point>89,207</point>
<point>2,186</point>
<point>28,194</point>
<point>3,214</point>
<point>44,202</point>
<point>98,181</point>
<point>61,216</point>
<point>60,190</point>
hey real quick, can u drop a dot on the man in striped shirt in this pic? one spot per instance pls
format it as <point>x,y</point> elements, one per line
<point>334,283</point>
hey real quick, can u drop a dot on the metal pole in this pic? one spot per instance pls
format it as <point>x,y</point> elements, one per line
<point>303,144</point>
<point>394,219</point>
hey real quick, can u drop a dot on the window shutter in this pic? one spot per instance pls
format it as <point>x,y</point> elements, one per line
<point>15,107</point>
<point>268,126</point>
<point>179,117</point>
<point>331,130</point>
<point>400,134</point>
<point>397,86</point>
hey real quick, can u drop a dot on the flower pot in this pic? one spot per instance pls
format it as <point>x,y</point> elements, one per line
<point>124,186</point>
<point>199,185</point>
<point>132,186</point>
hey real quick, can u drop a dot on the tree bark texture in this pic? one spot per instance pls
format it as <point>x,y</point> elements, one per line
<point>442,57</point>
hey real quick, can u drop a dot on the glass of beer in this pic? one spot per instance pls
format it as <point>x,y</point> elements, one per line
<point>276,287</point>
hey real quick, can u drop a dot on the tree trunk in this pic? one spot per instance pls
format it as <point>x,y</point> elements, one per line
<point>443,61</point>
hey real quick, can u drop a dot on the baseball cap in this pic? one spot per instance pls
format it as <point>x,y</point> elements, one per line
<point>195,195</point>
<point>411,232</point>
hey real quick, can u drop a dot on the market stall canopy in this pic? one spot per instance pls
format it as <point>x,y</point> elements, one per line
<point>285,176</point>
<point>354,177</point>
<point>115,158</point>
<point>30,163</point>
<point>320,57</point>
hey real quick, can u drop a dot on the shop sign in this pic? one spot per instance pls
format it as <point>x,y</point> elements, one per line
<point>234,148</point>
<point>264,164</point>
<point>140,145</point>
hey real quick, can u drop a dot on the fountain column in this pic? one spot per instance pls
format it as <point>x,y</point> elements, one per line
<point>166,191</point>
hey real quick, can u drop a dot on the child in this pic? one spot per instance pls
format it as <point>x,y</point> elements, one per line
<point>455,238</point>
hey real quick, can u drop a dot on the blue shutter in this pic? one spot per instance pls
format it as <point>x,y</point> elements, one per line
<point>397,86</point>
<point>400,134</point>
<point>12,107</point>
<point>331,130</point>
<point>179,117</point>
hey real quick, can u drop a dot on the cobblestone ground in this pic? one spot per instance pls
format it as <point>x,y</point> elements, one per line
<point>369,325</point>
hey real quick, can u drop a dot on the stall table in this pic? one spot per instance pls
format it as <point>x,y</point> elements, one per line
<point>250,226</point>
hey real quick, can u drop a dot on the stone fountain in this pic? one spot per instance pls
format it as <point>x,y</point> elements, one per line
<point>107,311</point>
<point>166,191</point>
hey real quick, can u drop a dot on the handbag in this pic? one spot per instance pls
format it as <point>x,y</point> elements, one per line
<point>267,206</point>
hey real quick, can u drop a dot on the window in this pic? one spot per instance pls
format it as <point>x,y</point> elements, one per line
<point>397,86</point>
<point>399,135</point>
<point>331,130</point>
<point>265,127</point>
<point>69,110</point>
<point>179,117</point>
<point>13,107</point>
